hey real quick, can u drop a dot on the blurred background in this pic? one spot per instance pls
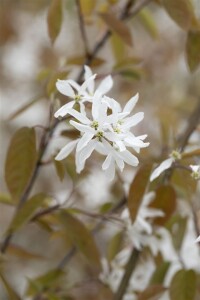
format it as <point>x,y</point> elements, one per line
<point>155,65</point>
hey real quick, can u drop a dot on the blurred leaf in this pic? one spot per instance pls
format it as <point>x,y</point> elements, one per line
<point>192,153</point>
<point>60,169</point>
<point>80,60</point>
<point>152,292</point>
<point>87,7</point>
<point>11,292</point>
<point>118,27</point>
<point>118,47</point>
<point>137,190</point>
<point>114,245</point>
<point>24,215</point>
<point>106,207</point>
<point>183,181</point>
<point>71,133</point>
<point>193,50</point>
<point>81,237</point>
<point>131,74</point>
<point>182,12</point>
<point>54,19</point>
<point>159,274</point>
<point>127,62</point>
<point>183,285</point>
<point>148,22</point>
<point>48,280</point>
<point>6,199</point>
<point>51,85</point>
<point>164,200</point>
<point>22,253</point>
<point>177,225</point>
<point>24,107</point>
<point>20,161</point>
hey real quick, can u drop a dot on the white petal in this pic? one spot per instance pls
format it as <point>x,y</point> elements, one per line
<point>81,127</point>
<point>107,162</point>
<point>195,168</point>
<point>166,164</point>
<point>105,85</point>
<point>88,74</point>
<point>132,121</point>
<point>129,158</point>
<point>87,84</point>
<point>135,142</point>
<point>197,240</point>
<point>131,103</point>
<point>64,110</point>
<point>96,106</point>
<point>83,155</point>
<point>64,88</point>
<point>120,145</point>
<point>65,151</point>
<point>110,171</point>
<point>81,117</point>
<point>84,140</point>
<point>74,84</point>
<point>120,163</point>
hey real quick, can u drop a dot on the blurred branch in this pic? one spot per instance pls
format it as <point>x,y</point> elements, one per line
<point>192,123</point>
<point>82,28</point>
<point>130,267</point>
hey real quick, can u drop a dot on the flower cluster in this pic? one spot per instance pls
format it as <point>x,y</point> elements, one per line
<point>105,127</point>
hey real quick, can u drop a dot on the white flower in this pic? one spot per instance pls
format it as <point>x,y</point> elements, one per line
<point>195,171</point>
<point>103,88</point>
<point>141,229</point>
<point>106,128</point>
<point>74,91</point>
<point>166,164</point>
<point>81,93</point>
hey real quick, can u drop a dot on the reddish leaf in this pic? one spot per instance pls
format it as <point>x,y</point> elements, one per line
<point>137,190</point>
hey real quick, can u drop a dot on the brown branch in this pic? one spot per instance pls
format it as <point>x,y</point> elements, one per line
<point>130,267</point>
<point>82,28</point>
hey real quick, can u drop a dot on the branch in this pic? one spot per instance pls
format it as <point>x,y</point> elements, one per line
<point>130,267</point>
<point>82,28</point>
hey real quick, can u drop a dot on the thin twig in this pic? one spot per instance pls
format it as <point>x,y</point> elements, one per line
<point>130,267</point>
<point>82,28</point>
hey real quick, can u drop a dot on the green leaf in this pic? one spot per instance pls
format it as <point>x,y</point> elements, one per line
<point>118,27</point>
<point>160,272</point>
<point>114,245</point>
<point>24,215</point>
<point>20,161</point>
<point>46,281</point>
<point>127,62</point>
<point>118,47</point>
<point>22,253</point>
<point>177,225</point>
<point>152,292</point>
<point>164,200</point>
<point>148,22</point>
<point>182,12</point>
<point>60,169</point>
<point>81,237</point>
<point>6,199</point>
<point>183,285</point>
<point>80,60</point>
<point>87,7</point>
<point>24,107</point>
<point>137,190</point>
<point>193,50</point>
<point>132,74</point>
<point>54,19</point>
<point>11,292</point>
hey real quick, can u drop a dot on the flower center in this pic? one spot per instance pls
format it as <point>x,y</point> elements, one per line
<point>95,125</point>
<point>117,129</point>
<point>77,98</point>
<point>99,135</point>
